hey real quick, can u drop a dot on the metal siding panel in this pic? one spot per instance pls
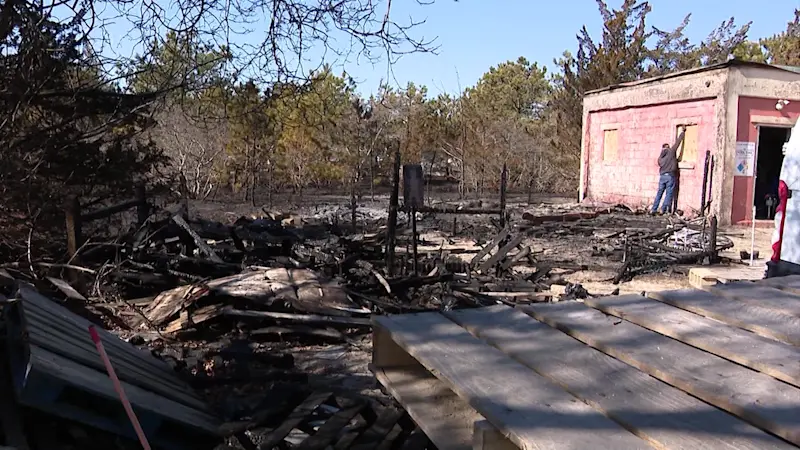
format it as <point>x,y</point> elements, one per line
<point>62,357</point>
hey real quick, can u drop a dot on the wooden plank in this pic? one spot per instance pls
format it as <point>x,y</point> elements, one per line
<point>200,242</point>
<point>765,296</point>
<point>505,392</point>
<point>758,398</point>
<point>66,289</point>
<point>189,319</point>
<point>299,415</point>
<point>655,411</point>
<point>759,320</point>
<point>789,283</point>
<point>109,211</point>
<point>416,440</point>
<point>380,429</point>
<point>304,318</point>
<point>501,253</point>
<point>329,431</point>
<point>508,263</point>
<point>774,358</point>
<point>446,419</point>
<point>169,303</point>
<point>488,248</point>
<point>388,442</point>
<point>348,438</point>
<point>487,437</point>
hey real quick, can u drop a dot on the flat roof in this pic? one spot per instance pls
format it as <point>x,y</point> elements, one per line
<point>724,65</point>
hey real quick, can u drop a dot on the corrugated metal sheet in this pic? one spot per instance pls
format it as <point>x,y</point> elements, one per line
<point>56,368</point>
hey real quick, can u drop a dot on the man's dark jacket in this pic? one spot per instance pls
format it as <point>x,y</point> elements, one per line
<point>668,159</point>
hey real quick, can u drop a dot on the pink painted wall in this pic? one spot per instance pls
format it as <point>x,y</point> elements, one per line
<point>632,178</point>
<point>746,131</point>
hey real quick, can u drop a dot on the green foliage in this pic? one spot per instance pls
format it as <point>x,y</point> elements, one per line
<point>722,43</point>
<point>178,64</point>
<point>321,133</point>
<point>66,131</point>
<point>516,88</point>
<point>750,51</point>
<point>784,48</point>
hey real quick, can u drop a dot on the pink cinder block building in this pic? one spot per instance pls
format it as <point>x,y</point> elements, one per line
<point>741,112</point>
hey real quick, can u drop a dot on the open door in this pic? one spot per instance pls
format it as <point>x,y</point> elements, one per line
<point>769,159</point>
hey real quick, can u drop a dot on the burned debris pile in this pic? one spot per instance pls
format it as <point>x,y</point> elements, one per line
<point>225,306</point>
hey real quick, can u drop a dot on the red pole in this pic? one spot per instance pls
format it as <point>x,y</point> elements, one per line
<point>118,387</point>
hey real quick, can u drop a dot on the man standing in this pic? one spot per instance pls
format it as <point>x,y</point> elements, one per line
<point>668,168</point>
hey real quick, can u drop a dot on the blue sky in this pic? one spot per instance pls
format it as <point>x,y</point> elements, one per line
<point>476,34</point>
<point>473,35</point>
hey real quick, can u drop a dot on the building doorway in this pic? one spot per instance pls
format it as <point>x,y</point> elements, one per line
<point>768,169</point>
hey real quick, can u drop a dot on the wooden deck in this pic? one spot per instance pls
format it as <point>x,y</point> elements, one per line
<point>688,369</point>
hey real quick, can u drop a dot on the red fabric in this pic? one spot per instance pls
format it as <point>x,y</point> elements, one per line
<point>783,196</point>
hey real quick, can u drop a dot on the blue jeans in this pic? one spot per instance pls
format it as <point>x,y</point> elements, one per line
<point>666,184</point>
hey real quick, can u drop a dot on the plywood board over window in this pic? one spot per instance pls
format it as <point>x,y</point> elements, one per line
<point>688,148</point>
<point>610,144</point>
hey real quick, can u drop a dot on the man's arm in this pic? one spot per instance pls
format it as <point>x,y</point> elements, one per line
<point>678,143</point>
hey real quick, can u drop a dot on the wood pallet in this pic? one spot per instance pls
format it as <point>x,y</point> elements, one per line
<point>324,421</point>
<point>683,369</point>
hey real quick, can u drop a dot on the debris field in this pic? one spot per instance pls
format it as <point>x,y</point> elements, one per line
<point>267,318</point>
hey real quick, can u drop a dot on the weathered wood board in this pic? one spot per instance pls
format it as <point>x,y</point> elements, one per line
<point>760,295</point>
<point>712,369</point>
<point>758,319</point>
<point>659,413</point>
<point>763,354</point>
<point>527,408</point>
<point>753,396</point>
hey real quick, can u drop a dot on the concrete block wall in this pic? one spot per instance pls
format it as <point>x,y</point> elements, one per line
<point>632,178</point>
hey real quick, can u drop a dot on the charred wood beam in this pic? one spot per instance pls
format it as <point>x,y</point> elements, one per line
<point>453,210</point>
<point>510,262</point>
<point>392,224</point>
<point>302,318</point>
<point>503,188</point>
<point>412,282</point>
<point>109,211</point>
<point>501,253</point>
<point>488,248</point>
<point>201,244</point>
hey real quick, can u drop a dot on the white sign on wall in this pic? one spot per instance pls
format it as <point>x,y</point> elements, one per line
<point>745,159</point>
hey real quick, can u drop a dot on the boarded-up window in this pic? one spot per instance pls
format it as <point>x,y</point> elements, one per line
<point>689,145</point>
<point>610,145</point>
